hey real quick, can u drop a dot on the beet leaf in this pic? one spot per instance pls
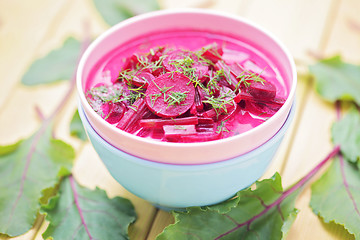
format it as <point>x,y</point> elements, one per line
<point>27,169</point>
<point>115,11</point>
<point>346,133</point>
<point>263,213</point>
<point>76,127</point>
<point>337,80</point>
<point>336,196</point>
<point>57,65</point>
<point>79,213</point>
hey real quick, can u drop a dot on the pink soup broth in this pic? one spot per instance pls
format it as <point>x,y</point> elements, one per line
<point>186,86</point>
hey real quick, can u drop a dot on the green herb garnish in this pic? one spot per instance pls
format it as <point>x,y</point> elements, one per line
<point>176,98</point>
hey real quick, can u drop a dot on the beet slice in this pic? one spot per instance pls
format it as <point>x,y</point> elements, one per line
<point>231,80</point>
<point>142,79</point>
<point>262,90</point>
<point>213,53</point>
<point>116,112</point>
<point>172,57</point>
<point>201,71</point>
<point>131,62</point>
<point>262,108</point>
<point>222,113</point>
<point>155,54</point>
<point>170,95</point>
<point>276,102</point>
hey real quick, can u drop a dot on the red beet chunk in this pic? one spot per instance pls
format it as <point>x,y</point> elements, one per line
<point>142,79</point>
<point>208,127</point>
<point>262,90</point>
<point>156,54</point>
<point>204,120</point>
<point>262,108</point>
<point>248,97</point>
<point>230,80</point>
<point>176,58</point>
<point>231,112</point>
<point>236,69</point>
<point>170,95</point>
<point>175,132</point>
<point>219,114</point>
<point>201,71</point>
<point>134,113</point>
<point>209,114</point>
<point>131,62</point>
<point>213,53</point>
<point>145,132</point>
<point>105,108</point>
<point>201,137</point>
<point>198,101</point>
<point>157,123</point>
<point>116,112</point>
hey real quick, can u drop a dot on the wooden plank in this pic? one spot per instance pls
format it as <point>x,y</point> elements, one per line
<point>298,24</point>
<point>162,220</point>
<point>168,4</point>
<point>344,37</point>
<point>229,6</point>
<point>23,26</point>
<point>317,118</point>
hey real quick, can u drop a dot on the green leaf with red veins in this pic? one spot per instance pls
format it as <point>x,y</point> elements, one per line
<point>59,64</point>
<point>28,169</point>
<point>262,213</point>
<point>80,213</point>
<point>115,11</point>
<point>336,197</point>
<point>346,133</point>
<point>337,80</point>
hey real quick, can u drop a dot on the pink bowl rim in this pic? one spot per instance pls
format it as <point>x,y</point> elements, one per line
<point>107,33</point>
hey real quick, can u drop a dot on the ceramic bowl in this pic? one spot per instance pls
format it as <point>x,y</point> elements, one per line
<point>204,20</point>
<point>178,186</point>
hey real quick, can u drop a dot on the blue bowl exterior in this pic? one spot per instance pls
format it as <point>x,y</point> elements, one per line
<point>180,186</point>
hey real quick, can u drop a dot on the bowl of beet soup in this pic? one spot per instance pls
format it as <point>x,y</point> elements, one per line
<point>186,86</point>
<point>171,186</point>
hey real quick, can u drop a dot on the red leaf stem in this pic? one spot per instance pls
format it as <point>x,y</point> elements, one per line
<point>346,184</point>
<point>286,193</point>
<point>338,110</point>
<point>76,199</point>
<point>39,113</point>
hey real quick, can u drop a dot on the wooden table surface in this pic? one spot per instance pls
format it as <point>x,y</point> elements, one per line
<point>30,29</point>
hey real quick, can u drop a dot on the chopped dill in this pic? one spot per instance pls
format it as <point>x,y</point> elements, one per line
<point>220,102</point>
<point>153,98</point>
<point>175,98</point>
<point>247,77</point>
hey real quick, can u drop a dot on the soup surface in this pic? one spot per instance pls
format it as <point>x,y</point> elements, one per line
<point>186,86</point>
